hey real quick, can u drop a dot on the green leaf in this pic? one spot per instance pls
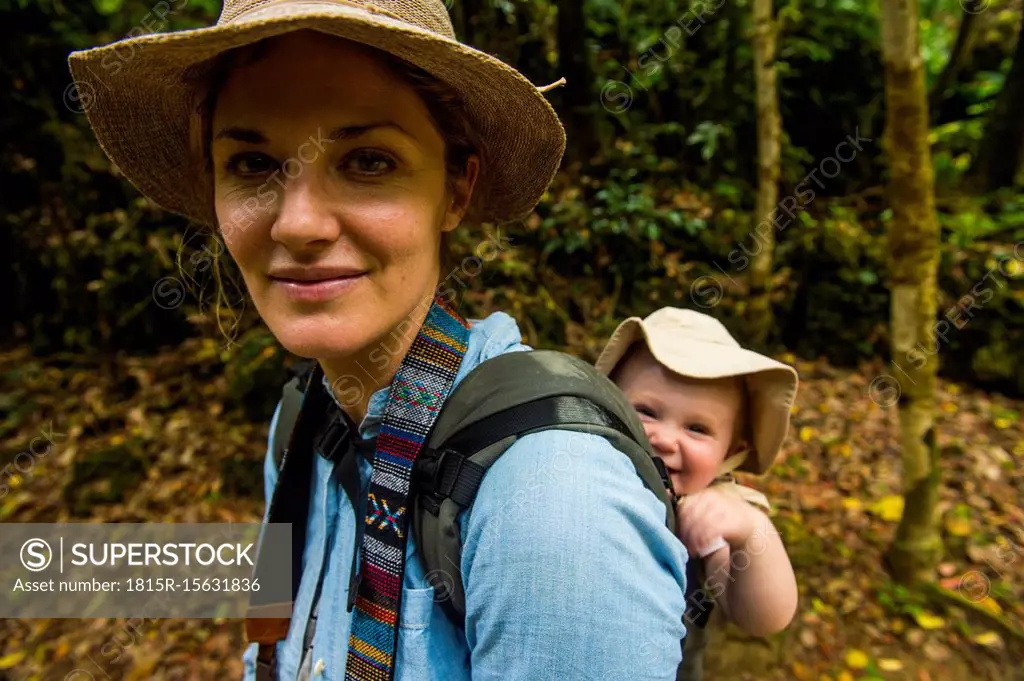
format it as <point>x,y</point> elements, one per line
<point>867,277</point>
<point>108,7</point>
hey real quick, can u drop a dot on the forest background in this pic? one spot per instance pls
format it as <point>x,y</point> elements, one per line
<point>114,337</point>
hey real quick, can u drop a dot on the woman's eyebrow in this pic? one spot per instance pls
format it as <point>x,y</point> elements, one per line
<point>352,131</point>
<point>252,136</point>
<point>242,135</point>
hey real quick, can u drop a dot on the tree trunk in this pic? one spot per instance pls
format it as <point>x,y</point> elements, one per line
<point>768,145</point>
<point>575,68</point>
<point>913,236</point>
<point>957,58</point>
<point>1002,148</point>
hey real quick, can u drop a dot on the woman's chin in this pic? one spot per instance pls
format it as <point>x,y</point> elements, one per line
<point>306,338</point>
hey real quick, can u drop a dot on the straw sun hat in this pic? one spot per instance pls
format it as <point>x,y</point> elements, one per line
<point>145,113</point>
<point>696,345</point>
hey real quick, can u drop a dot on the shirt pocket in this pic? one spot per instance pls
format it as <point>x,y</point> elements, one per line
<point>414,639</point>
<point>417,608</point>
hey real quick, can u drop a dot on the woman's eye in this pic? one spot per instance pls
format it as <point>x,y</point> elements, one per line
<point>369,162</point>
<point>251,163</point>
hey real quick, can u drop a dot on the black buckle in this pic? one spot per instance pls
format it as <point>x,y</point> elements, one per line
<point>444,482</point>
<point>334,437</point>
<point>663,472</point>
<point>436,483</point>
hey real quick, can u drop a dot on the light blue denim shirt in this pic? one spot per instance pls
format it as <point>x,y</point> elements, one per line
<point>569,569</point>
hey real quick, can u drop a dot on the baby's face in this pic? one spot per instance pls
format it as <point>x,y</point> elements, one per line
<point>690,422</point>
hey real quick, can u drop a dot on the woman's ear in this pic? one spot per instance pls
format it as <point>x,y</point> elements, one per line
<point>462,194</point>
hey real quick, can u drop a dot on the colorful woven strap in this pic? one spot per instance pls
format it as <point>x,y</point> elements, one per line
<point>417,393</point>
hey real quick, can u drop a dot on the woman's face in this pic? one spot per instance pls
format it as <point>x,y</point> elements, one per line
<point>330,192</point>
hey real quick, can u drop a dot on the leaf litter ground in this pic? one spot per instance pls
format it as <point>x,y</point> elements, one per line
<point>157,443</point>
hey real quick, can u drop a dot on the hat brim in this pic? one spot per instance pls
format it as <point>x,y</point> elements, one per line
<point>142,97</point>
<point>771,385</point>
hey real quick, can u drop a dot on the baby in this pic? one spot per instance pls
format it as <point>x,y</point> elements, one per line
<point>710,407</point>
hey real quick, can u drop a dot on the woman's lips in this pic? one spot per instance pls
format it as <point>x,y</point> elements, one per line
<point>319,290</point>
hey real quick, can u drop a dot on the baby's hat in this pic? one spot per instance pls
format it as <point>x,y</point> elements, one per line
<point>696,345</point>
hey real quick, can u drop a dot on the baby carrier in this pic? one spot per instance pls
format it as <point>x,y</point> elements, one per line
<point>499,401</point>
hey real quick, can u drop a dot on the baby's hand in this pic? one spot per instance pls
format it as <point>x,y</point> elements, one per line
<point>704,517</point>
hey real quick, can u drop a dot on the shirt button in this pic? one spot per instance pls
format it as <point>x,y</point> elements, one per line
<point>318,668</point>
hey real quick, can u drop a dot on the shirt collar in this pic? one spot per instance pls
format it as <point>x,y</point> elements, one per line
<point>495,335</point>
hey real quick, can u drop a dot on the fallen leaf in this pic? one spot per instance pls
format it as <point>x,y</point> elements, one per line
<point>801,672</point>
<point>990,604</point>
<point>957,526</point>
<point>844,676</point>
<point>989,639</point>
<point>927,620</point>
<point>935,651</point>
<point>857,659</point>
<point>888,508</point>
<point>890,664</point>
<point>951,583</point>
<point>11,660</point>
<point>852,504</point>
<point>806,433</point>
<point>821,607</point>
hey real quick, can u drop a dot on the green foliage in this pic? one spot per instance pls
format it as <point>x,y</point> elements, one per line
<point>254,372</point>
<point>653,243</point>
<point>87,253</point>
<point>664,201</point>
<point>706,136</point>
<point>898,600</point>
<point>108,7</point>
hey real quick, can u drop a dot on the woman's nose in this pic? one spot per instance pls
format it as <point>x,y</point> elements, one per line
<point>305,217</point>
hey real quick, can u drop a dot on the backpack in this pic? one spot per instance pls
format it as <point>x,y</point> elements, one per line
<point>500,400</point>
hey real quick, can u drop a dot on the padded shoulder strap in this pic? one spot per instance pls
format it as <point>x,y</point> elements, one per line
<point>501,400</point>
<point>267,622</point>
<point>521,378</point>
<point>291,403</point>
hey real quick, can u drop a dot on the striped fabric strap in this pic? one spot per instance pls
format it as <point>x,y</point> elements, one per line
<point>417,393</point>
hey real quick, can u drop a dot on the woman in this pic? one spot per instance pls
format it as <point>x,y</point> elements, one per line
<point>333,144</point>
